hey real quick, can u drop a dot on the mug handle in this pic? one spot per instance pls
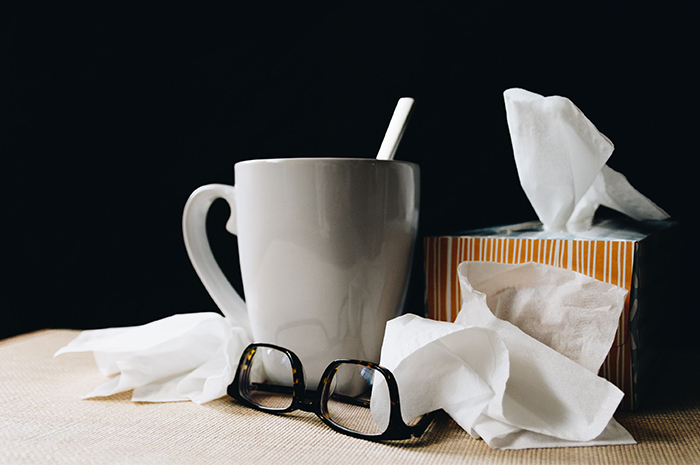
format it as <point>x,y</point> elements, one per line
<point>195,234</point>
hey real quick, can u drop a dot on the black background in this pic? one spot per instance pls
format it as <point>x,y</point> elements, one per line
<point>111,115</point>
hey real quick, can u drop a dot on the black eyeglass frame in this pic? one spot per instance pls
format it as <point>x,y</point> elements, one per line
<point>317,401</point>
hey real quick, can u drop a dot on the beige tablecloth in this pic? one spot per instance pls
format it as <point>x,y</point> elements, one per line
<point>42,420</point>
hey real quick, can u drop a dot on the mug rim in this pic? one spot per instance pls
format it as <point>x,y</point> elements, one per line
<point>319,159</point>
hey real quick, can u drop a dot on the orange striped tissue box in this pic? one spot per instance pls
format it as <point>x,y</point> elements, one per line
<point>638,256</point>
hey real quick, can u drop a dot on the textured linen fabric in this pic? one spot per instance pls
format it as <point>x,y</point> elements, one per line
<point>43,421</point>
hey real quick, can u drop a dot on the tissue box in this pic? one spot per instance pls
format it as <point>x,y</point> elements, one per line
<point>641,257</point>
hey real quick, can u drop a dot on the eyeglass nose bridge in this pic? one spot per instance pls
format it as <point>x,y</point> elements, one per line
<point>306,405</point>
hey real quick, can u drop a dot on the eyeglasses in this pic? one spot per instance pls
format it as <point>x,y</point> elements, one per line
<point>271,379</point>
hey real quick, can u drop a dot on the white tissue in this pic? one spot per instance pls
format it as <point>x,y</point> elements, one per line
<point>513,389</point>
<point>182,357</point>
<point>499,383</point>
<point>569,312</point>
<point>560,157</point>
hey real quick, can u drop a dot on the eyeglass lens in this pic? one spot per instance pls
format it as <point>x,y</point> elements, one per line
<point>352,389</point>
<point>350,392</point>
<point>270,380</point>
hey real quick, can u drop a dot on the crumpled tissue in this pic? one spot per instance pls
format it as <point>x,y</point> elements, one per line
<point>561,160</point>
<point>515,388</point>
<point>183,357</point>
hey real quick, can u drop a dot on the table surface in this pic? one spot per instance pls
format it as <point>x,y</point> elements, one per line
<point>43,420</point>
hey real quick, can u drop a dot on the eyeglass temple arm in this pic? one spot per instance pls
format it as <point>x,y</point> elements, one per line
<point>288,389</point>
<point>272,388</point>
<point>419,428</point>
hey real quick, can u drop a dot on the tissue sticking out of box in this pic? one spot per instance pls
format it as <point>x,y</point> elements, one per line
<point>561,156</point>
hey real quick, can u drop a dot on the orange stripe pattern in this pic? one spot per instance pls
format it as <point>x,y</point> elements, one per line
<point>610,261</point>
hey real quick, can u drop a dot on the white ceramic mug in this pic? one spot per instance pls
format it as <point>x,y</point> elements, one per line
<point>325,247</point>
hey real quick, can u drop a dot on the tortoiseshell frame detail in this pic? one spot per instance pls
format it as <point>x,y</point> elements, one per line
<point>316,401</point>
